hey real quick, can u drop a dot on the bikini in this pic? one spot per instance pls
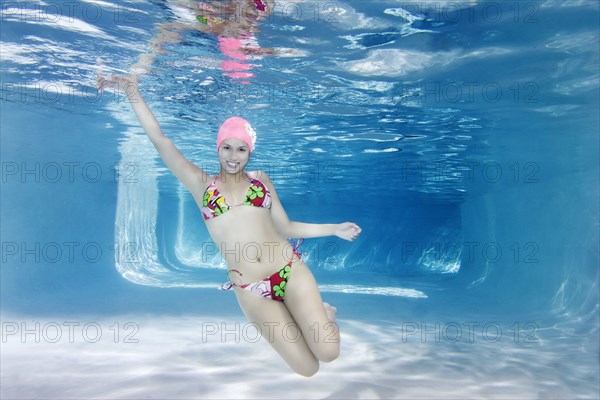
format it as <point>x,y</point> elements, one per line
<point>214,205</point>
<point>235,66</point>
<point>211,20</point>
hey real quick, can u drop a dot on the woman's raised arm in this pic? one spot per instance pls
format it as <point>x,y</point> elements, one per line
<point>190,175</point>
<point>292,229</point>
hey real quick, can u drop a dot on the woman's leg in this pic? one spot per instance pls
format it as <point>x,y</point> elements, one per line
<point>281,331</point>
<point>303,300</point>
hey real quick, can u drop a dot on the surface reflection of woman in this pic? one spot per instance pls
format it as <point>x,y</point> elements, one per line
<point>274,287</point>
<point>235,24</point>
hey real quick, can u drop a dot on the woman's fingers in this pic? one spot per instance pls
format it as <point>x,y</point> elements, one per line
<point>100,83</point>
<point>113,82</point>
<point>355,229</point>
<point>348,231</point>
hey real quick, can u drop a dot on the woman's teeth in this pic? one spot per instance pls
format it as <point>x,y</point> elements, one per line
<point>232,164</point>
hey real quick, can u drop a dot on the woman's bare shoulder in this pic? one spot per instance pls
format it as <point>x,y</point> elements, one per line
<point>260,175</point>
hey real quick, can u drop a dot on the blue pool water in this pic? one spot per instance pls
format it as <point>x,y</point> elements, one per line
<point>462,136</point>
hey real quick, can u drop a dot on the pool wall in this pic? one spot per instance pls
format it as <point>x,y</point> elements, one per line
<point>535,245</point>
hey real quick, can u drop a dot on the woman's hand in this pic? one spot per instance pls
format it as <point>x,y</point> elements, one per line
<point>348,231</point>
<point>118,83</point>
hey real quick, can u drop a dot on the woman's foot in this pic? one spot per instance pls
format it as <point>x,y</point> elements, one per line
<point>330,311</point>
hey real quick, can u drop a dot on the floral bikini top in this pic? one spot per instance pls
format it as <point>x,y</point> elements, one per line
<point>214,203</point>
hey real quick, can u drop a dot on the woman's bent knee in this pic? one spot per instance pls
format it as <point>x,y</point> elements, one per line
<point>307,369</point>
<point>328,353</point>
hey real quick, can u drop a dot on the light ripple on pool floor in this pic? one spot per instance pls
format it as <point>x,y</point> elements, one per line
<point>212,357</point>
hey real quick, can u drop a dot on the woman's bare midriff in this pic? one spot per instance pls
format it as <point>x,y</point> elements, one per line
<point>249,243</point>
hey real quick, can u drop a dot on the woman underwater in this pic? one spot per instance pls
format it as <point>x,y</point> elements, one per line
<point>235,23</point>
<point>274,287</point>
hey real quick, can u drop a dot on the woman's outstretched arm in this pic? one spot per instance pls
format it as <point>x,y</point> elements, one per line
<point>192,177</point>
<point>345,230</point>
<point>292,229</point>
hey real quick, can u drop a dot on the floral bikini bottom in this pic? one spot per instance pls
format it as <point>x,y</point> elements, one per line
<point>271,287</point>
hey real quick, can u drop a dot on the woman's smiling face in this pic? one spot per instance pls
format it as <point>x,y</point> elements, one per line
<point>233,155</point>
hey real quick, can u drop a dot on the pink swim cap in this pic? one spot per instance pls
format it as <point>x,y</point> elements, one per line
<point>237,128</point>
